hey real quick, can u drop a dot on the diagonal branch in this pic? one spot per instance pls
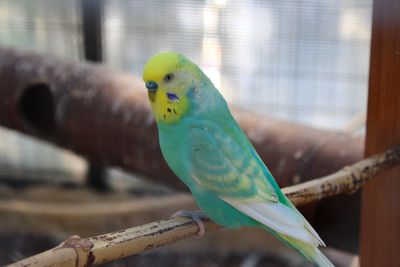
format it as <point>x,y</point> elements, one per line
<point>77,251</point>
<point>347,180</point>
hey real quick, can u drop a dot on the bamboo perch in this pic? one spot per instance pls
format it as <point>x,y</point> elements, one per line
<point>76,251</point>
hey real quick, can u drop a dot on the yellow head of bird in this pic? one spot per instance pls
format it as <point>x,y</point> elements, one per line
<point>169,77</point>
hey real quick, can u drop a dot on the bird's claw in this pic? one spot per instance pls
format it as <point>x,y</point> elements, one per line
<point>195,216</point>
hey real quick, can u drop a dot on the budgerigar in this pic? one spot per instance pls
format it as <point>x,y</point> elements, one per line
<point>205,147</point>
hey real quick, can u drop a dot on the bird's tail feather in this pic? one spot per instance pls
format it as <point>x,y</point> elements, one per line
<point>321,260</point>
<point>310,252</point>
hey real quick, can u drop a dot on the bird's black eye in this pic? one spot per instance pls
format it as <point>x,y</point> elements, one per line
<point>168,77</point>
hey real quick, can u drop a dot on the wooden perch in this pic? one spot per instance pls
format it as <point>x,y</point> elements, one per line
<point>348,180</point>
<point>77,251</point>
<point>104,115</point>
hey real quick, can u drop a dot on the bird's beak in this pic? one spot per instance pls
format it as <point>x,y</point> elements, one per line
<point>151,86</point>
<point>152,89</point>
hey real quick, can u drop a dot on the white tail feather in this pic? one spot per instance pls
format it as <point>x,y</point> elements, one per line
<point>312,231</point>
<point>321,260</point>
<point>279,218</point>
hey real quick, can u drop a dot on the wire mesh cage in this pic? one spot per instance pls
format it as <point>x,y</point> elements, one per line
<point>304,61</point>
<point>301,61</point>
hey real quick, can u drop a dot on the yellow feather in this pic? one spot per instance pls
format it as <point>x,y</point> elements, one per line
<point>161,64</point>
<point>165,109</point>
<point>168,111</point>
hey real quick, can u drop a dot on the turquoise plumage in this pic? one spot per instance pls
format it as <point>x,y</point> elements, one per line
<point>205,147</point>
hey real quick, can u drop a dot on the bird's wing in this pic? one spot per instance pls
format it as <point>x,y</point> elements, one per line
<point>224,162</point>
<point>224,167</point>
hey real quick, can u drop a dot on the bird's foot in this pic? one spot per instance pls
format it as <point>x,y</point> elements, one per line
<point>196,216</point>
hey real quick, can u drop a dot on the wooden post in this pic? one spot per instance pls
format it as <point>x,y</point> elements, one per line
<point>380,213</point>
<point>91,29</point>
<point>93,51</point>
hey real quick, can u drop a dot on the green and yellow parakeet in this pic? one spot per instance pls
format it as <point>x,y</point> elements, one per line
<point>205,147</point>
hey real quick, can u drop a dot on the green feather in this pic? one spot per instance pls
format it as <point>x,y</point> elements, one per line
<point>208,151</point>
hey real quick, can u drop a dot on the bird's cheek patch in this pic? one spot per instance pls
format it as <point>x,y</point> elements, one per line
<point>172,97</point>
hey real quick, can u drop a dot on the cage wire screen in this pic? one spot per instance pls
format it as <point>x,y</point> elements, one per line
<point>49,27</point>
<point>45,26</point>
<point>304,61</point>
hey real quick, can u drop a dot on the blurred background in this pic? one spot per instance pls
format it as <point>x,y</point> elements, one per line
<point>304,62</point>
